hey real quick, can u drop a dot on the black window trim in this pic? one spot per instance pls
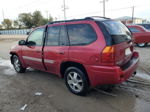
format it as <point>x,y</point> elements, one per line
<point>66,31</point>
<point>80,44</point>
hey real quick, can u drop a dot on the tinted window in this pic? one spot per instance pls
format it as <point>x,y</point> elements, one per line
<point>81,34</point>
<point>37,36</point>
<point>63,36</point>
<point>53,36</point>
<point>118,31</point>
<point>147,26</point>
<point>134,30</point>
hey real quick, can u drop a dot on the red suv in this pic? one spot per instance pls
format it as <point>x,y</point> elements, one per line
<point>85,52</point>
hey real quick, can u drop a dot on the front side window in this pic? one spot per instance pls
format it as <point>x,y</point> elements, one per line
<point>134,30</point>
<point>81,34</point>
<point>37,36</point>
<point>53,36</point>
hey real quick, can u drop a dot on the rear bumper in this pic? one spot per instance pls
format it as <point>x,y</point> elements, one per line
<point>99,75</point>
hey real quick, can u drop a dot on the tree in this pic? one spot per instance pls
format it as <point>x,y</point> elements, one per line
<point>32,20</point>
<point>7,23</point>
<point>1,27</point>
<point>26,19</point>
<point>17,24</point>
<point>37,18</point>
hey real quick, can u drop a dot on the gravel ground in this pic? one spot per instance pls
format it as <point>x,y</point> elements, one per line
<point>16,90</point>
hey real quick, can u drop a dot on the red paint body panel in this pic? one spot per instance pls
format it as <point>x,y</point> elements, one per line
<point>34,52</point>
<point>57,55</point>
<point>140,37</point>
<point>100,75</point>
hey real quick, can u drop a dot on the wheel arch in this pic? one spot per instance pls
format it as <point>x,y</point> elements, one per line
<point>65,65</point>
<point>12,54</point>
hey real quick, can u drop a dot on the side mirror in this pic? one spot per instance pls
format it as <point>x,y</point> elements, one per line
<point>28,33</point>
<point>22,42</point>
<point>30,43</point>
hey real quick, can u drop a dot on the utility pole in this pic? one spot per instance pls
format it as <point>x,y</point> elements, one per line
<point>47,13</point>
<point>104,2</point>
<point>64,9</point>
<point>132,14</point>
<point>3,14</point>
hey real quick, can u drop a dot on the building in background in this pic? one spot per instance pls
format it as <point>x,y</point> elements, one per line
<point>128,20</point>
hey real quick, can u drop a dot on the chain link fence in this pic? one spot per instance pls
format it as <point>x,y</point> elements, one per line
<point>15,32</point>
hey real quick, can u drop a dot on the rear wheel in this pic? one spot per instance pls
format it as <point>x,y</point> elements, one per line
<point>141,44</point>
<point>17,64</point>
<point>76,81</point>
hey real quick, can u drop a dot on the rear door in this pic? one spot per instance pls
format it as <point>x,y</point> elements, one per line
<point>32,53</point>
<point>56,48</point>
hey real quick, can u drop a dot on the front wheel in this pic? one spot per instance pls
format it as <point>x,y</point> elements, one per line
<point>76,81</point>
<point>141,44</point>
<point>17,64</point>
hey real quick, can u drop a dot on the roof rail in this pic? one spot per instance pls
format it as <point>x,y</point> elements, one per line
<point>92,17</point>
<point>86,18</point>
<point>64,21</point>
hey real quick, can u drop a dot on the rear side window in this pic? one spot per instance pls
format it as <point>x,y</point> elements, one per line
<point>53,36</point>
<point>134,30</point>
<point>117,31</point>
<point>81,34</point>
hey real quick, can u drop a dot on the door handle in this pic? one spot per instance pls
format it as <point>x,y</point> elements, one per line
<point>61,52</point>
<point>37,51</point>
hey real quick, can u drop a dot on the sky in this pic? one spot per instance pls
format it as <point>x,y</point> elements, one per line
<point>75,8</point>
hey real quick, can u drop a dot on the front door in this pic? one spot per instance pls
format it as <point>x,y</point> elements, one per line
<point>32,52</point>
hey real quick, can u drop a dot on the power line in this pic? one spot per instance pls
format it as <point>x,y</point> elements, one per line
<point>101,11</point>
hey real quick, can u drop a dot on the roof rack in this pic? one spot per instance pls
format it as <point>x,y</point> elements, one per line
<point>86,18</point>
<point>94,17</point>
<point>64,21</point>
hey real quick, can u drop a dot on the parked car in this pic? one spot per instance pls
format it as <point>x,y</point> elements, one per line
<point>146,26</point>
<point>140,34</point>
<point>85,52</point>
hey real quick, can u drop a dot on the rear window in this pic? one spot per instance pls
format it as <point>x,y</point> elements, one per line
<point>117,31</point>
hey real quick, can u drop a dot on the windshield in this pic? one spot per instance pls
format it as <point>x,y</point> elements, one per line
<point>118,31</point>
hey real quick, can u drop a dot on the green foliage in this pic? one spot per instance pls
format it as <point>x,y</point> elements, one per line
<point>7,23</point>
<point>1,27</point>
<point>26,20</point>
<point>37,18</point>
<point>17,24</point>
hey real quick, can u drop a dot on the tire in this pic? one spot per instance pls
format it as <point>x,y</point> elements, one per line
<point>76,81</point>
<point>17,64</point>
<point>141,44</point>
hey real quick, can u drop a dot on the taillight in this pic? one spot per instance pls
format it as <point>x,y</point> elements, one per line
<point>108,55</point>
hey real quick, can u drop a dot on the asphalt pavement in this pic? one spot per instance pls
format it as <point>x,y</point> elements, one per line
<point>17,91</point>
